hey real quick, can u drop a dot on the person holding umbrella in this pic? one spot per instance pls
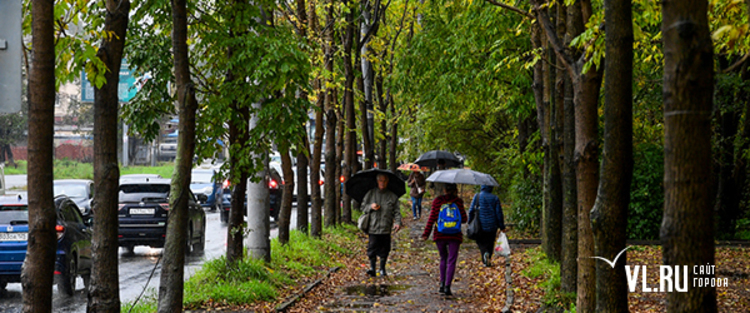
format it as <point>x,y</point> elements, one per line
<point>382,205</point>
<point>417,183</point>
<point>490,218</point>
<point>447,243</point>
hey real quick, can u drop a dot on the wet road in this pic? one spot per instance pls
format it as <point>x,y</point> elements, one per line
<point>135,270</point>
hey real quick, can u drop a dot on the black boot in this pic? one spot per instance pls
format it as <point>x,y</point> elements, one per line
<point>371,271</point>
<point>382,266</point>
<point>442,287</point>
<point>448,291</point>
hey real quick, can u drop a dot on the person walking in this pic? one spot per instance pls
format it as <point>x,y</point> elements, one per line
<point>447,243</point>
<point>417,184</point>
<point>382,205</point>
<point>487,205</point>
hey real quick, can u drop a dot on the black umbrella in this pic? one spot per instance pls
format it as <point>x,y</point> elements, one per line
<point>430,159</point>
<point>358,185</point>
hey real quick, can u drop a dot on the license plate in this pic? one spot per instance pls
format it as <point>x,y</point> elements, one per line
<point>141,211</point>
<point>14,236</point>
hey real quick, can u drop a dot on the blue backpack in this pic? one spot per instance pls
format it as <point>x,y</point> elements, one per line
<point>449,220</point>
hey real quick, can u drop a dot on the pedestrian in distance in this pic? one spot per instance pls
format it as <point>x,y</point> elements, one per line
<point>417,184</point>
<point>490,214</point>
<point>385,217</point>
<point>444,223</point>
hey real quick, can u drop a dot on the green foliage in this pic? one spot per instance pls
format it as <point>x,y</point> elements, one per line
<point>19,169</point>
<point>526,199</point>
<point>646,192</point>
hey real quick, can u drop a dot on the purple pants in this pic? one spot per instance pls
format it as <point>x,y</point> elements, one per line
<point>448,250</point>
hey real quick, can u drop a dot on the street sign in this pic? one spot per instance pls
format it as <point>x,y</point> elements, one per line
<point>125,89</point>
<point>10,56</point>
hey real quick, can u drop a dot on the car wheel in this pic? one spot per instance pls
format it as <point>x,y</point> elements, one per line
<point>86,281</point>
<point>201,245</point>
<point>188,241</point>
<point>3,284</point>
<point>130,249</point>
<point>224,216</point>
<point>67,283</point>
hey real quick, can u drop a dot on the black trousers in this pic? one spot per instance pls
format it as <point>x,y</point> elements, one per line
<point>486,242</point>
<point>379,245</point>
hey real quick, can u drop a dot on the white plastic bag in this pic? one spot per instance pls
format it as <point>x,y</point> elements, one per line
<point>502,248</point>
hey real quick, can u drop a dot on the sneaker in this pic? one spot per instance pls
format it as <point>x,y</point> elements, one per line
<point>382,273</point>
<point>486,259</point>
<point>416,218</point>
<point>371,273</point>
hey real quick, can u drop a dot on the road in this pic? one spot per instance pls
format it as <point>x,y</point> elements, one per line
<point>134,270</point>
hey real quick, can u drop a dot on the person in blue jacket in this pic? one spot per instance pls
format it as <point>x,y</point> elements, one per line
<point>491,218</point>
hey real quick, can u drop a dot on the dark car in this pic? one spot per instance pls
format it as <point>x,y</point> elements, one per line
<point>143,213</point>
<point>73,255</point>
<point>209,183</point>
<point>275,190</point>
<point>80,190</point>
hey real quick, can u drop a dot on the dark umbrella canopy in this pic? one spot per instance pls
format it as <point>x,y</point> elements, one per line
<point>358,185</point>
<point>430,158</point>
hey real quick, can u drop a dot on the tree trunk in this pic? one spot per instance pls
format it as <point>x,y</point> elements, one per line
<point>350,146</point>
<point>687,229</point>
<point>366,105</point>
<point>173,260</point>
<point>286,199</point>
<point>340,129</point>
<point>569,262</point>
<point>258,241</point>
<point>316,228</point>
<point>392,165</point>
<point>610,212</point>
<point>382,107</point>
<point>104,293</point>
<point>39,264</point>
<point>238,136</point>
<point>303,183</point>
<point>730,181</point>
<point>330,120</point>
<point>553,230</point>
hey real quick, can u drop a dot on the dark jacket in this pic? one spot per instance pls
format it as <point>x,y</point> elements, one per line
<point>435,212</point>
<point>381,221</point>
<point>416,179</point>
<point>490,212</point>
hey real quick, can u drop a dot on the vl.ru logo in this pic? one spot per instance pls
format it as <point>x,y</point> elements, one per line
<point>671,278</point>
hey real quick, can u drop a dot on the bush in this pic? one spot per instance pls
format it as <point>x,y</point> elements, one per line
<point>646,192</point>
<point>526,208</point>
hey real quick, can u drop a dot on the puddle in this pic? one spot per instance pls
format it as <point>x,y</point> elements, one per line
<point>375,290</point>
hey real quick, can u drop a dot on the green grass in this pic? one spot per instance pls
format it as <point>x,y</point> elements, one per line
<point>69,169</point>
<point>254,280</point>
<point>550,273</point>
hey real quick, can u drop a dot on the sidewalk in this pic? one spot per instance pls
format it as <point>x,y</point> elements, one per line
<point>412,281</point>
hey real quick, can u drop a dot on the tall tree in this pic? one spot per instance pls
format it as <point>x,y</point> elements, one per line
<point>39,265</point>
<point>316,222</point>
<point>350,138</point>
<point>687,229</point>
<point>286,198</point>
<point>104,293</point>
<point>613,198</point>
<point>304,145</point>
<point>172,278</point>
<point>329,107</point>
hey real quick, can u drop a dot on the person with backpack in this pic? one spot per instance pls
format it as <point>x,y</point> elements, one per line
<point>444,223</point>
<point>491,218</point>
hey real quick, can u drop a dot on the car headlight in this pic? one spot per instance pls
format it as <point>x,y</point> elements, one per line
<point>208,190</point>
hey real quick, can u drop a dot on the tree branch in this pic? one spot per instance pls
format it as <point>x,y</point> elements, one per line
<point>511,8</point>
<point>737,64</point>
<point>557,45</point>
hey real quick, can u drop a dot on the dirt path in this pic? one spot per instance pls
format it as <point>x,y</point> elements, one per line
<point>411,285</point>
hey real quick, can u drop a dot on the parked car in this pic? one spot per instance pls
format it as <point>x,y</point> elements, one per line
<point>207,182</point>
<point>73,255</point>
<point>80,190</point>
<point>168,147</point>
<point>131,177</point>
<point>275,191</point>
<point>143,212</point>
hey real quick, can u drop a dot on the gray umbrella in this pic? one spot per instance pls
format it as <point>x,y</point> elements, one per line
<point>462,176</point>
